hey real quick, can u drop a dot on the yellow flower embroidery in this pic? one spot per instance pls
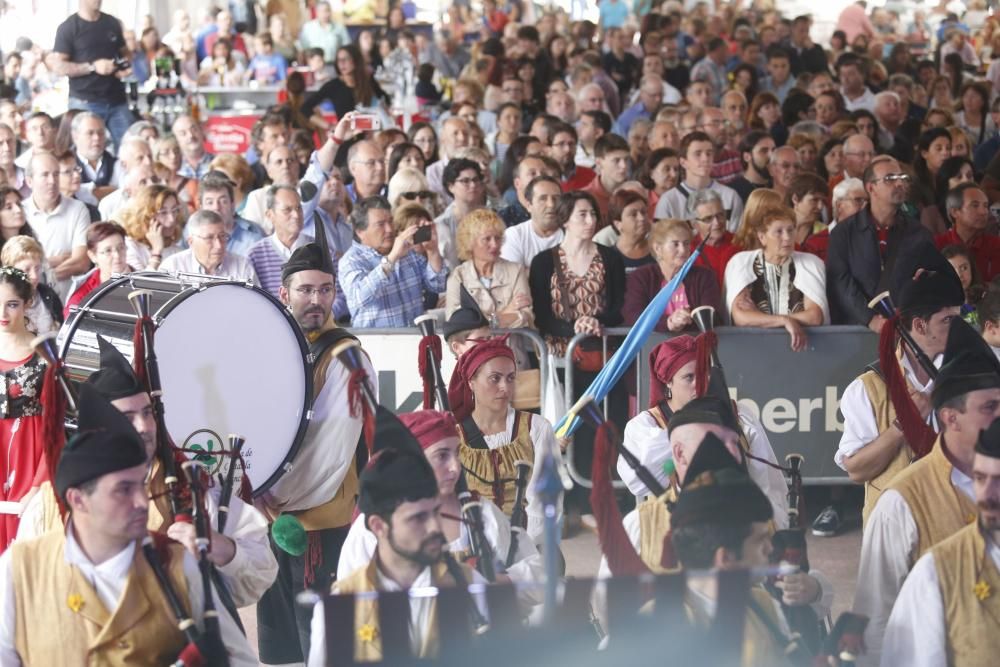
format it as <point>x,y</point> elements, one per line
<point>366,633</point>
<point>75,602</point>
<point>982,590</point>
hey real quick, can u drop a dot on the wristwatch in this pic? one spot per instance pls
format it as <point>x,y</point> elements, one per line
<point>387,265</point>
<point>91,68</point>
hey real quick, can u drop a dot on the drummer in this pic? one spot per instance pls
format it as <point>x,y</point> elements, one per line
<point>494,436</point>
<point>241,553</point>
<point>322,486</point>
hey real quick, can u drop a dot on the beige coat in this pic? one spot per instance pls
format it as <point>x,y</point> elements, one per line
<point>509,280</point>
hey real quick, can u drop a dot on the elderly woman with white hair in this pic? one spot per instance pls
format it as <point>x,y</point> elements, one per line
<point>409,186</point>
<point>848,197</point>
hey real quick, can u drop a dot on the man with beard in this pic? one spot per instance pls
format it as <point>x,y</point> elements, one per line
<point>87,590</point>
<point>755,152</point>
<point>400,502</point>
<point>562,149</point>
<point>191,139</point>
<point>947,610</point>
<point>321,490</point>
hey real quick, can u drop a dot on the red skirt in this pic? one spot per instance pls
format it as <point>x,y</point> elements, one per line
<point>22,463</point>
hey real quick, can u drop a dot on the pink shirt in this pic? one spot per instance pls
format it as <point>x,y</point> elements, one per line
<point>853,21</point>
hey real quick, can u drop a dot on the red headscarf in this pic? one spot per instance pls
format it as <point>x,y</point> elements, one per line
<point>430,427</point>
<point>665,360</point>
<point>459,394</point>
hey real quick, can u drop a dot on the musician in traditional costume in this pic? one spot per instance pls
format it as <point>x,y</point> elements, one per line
<point>888,420</point>
<point>933,498</point>
<point>85,592</point>
<point>948,610</point>
<point>673,383</point>
<point>320,490</point>
<point>722,520</point>
<point>437,433</point>
<point>465,325</point>
<point>494,436</point>
<point>400,502</point>
<point>241,553</point>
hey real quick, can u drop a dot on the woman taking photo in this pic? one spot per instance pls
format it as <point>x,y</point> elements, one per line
<point>629,215</point>
<point>670,243</point>
<point>354,89</point>
<point>28,391</point>
<point>500,288</point>
<point>770,285</point>
<point>493,435</point>
<point>107,250</point>
<point>154,222</point>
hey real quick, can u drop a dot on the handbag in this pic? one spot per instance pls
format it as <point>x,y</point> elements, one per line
<point>588,356</point>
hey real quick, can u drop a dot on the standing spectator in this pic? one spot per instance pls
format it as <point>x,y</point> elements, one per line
<point>620,64</point>
<point>90,49</point>
<point>613,14</point>
<point>859,246</point>
<point>354,87</point>
<point>382,276</point>
<point>853,21</point>
<point>323,33</point>
<point>191,141</point>
<point>224,30</point>
<point>712,69</point>
<point>59,224</point>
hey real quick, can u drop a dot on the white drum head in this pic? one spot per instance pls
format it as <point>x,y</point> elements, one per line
<point>231,362</point>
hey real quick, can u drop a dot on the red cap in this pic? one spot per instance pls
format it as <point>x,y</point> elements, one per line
<point>430,427</point>
<point>459,394</point>
<point>665,360</point>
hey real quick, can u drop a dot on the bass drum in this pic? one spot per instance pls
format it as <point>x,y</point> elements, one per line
<point>232,360</point>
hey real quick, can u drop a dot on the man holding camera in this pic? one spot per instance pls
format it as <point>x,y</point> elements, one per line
<point>90,50</point>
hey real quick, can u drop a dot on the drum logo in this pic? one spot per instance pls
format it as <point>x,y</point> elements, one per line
<point>206,447</point>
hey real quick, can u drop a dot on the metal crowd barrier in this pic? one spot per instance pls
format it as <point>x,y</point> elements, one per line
<point>794,395</point>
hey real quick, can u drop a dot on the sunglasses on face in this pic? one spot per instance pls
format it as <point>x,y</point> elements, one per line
<point>420,194</point>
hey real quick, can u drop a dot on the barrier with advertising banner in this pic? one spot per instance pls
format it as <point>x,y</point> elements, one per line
<point>796,395</point>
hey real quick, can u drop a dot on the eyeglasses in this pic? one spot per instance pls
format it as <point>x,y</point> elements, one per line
<point>421,194</point>
<point>892,178</point>
<point>108,252</point>
<point>371,163</point>
<point>467,180</point>
<point>219,238</point>
<point>715,217</point>
<point>308,291</point>
<point>77,169</point>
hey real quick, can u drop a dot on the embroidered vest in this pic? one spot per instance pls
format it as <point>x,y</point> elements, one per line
<point>367,638</point>
<point>491,472</point>
<point>339,510</point>
<point>939,509</point>
<point>971,623</point>
<point>654,524</point>
<point>878,395</point>
<point>62,621</point>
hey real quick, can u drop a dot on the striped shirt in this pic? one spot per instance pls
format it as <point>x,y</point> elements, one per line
<point>379,300</point>
<point>268,256</point>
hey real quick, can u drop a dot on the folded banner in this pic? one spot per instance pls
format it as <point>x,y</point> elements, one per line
<point>634,341</point>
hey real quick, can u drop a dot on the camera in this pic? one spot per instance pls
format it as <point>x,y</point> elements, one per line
<point>121,64</point>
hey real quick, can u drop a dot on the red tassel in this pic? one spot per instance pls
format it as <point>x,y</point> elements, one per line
<point>918,433</point>
<point>53,426</point>
<point>668,557</point>
<point>705,344</point>
<point>359,408</point>
<point>314,558</point>
<point>191,656</point>
<point>622,557</point>
<point>432,343</point>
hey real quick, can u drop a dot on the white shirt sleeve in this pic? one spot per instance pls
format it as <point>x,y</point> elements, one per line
<point>887,548</point>
<point>236,643</point>
<point>527,566</point>
<point>253,568</point>
<point>79,224</point>
<point>8,614</point>
<point>651,445</point>
<point>513,245</point>
<point>543,439</point>
<point>915,633</point>
<point>860,427</point>
<point>317,637</point>
<point>770,480</point>
<point>358,549</point>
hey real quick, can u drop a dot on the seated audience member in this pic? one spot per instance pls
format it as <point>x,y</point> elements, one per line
<point>464,181</point>
<point>238,170</point>
<point>709,220</point>
<point>206,254</point>
<point>415,215</point>
<point>70,181</point>
<point>969,213</point>
<point>106,249</point>
<point>267,256</point>
<point>542,230</point>
<point>499,288</point>
<point>807,196</point>
<point>770,285</point>
<point>409,186</point>
<point>12,218</point>
<point>697,157</point>
<point>670,242</point>
<point>381,275</point>
<point>849,197</point>
<point>45,313</point>
<point>154,221</point>
<point>629,215</point>
<point>218,193</point>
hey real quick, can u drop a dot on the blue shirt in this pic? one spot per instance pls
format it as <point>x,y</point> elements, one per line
<point>635,112</point>
<point>613,13</point>
<point>379,300</point>
<point>243,236</point>
<point>268,69</point>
